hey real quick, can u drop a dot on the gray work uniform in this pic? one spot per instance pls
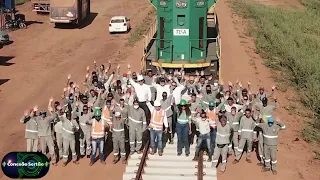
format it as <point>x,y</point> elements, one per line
<point>270,141</point>
<point>137,124</point>
<point>166,105</point>
<point>58,129</point>
<point>31,133</point>
<point>246,132</point>
<point>207,98</point>
<point>118,137</point>
<point>69,128</point>
<point>265,112</point>
<point>234,121</point>
<point>44,133</point>
<point>221,148</point>
<point>193,108</point>
<point>85,137</point>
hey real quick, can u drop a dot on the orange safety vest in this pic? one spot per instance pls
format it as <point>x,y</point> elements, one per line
<point>212,117</point>
<point>98,129</point>
<point>106,115</point>
<point>157,119</point>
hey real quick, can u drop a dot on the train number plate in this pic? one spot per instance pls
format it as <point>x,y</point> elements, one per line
<point>181,32</point>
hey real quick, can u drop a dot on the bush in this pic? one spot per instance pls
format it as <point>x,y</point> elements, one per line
<point>290,39</point>
<point>20,2</point>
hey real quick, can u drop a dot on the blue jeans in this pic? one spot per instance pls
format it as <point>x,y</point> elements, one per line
<point>183,137</point>
<point>156,135</point>
<point>95,144</point>
<point>213,134</point>
<point>204,138</point>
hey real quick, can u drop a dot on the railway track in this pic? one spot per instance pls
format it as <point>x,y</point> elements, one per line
<point>169,166</point>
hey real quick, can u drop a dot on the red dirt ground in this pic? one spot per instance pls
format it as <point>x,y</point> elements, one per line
<point>43,57</point>
<point>239,61</point>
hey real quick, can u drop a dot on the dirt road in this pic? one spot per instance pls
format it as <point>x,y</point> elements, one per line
<point>37,64</point>
<point>239,61</point>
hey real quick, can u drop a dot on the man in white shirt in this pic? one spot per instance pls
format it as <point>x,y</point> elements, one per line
<point>160,88</point>
<point>143,94</point>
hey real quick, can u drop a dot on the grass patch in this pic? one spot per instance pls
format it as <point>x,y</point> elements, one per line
<point>142,28</point>
<point>20,2</point>
<point>289,40</point>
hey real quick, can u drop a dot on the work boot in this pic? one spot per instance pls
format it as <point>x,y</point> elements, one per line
<point>75,162</point>
<point>221,172</point>
<point>160,152</point>
<point>274,172</point>
<point>209,159</point>
<point>115,160</point>
<point>123,159</point>
<point>248,160</point>
<point>54,164</point>
<point>64,164</point>
<point>187,154</point>
<point>91,163</point>
<point>132,152</point>
<point>260,164</point>
<point>88,156</point>
<point>179,154</point>
<point>235,161</point>
<point>102,162</point>
<point>264,169</point>
<point>195,158</point>
<point>152,152</point>
<point>138,152</point>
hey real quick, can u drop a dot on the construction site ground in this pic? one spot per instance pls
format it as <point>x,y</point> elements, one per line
<point>36,65</point>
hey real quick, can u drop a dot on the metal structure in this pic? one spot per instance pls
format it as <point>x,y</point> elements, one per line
<point>69,11</point>
<point>183,34</point>
<point>169,166</point>
<point>41,6</point>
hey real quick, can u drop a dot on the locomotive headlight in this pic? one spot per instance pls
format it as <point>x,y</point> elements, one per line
<point>163,3</point>
<point>178,4</point>
<point>183,4</point>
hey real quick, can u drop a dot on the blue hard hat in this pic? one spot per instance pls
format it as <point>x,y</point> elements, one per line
<point>271,119</point>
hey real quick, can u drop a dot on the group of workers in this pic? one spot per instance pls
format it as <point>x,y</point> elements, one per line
<point>133,105</point>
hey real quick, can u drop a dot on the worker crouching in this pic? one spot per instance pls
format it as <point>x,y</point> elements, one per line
<point>204,128</point>
<point>118,138</point>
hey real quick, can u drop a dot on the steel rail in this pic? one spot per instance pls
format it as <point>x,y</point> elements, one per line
<point>142,163</point>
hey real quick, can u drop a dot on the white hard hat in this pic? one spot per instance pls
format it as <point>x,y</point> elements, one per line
<point>140,78</point>
<point>157,103</point>
<point>117,114</point>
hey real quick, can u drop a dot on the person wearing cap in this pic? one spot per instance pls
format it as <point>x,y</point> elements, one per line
<point>161,87</point>
<point>166,103</point>
<point>246,135</point>
<point>183,127</point>
<point>143,94</point>
<point>118,137</point>
<point>44,131</point>
<point>212,116</point>
<point>69,127</point>
<point>223,139</point>
<point>233,118</point>
<point>137,124</point>
<point>31,132</point>
<point>270,141</point>
<point>98,130</point>
<point>85,139</point>
<point>263,112</point>
<point>204,134</point>
<point>158,119</point>
<point>262,94</point>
